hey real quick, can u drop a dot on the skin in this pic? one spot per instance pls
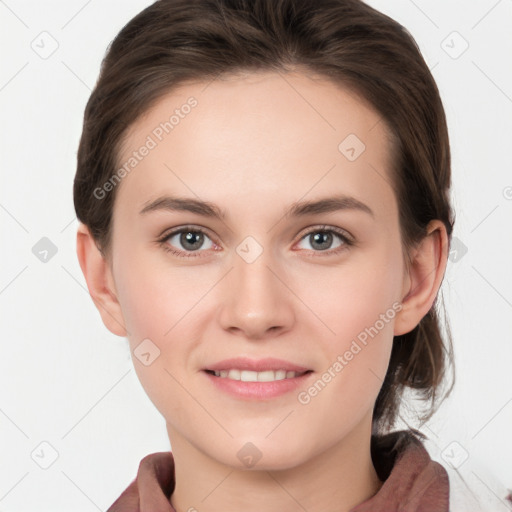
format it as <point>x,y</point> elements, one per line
<point>255,144</point>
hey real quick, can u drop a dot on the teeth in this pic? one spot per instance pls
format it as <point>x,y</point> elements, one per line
<point>251,376</point>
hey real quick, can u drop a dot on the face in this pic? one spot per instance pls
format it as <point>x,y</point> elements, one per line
<point>269,277</point>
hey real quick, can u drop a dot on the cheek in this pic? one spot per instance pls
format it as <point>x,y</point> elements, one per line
<point>158,302</point>
<point>353,296</point>
<point>357,304</point>
<point>155,301</point>
<point>155,296</point>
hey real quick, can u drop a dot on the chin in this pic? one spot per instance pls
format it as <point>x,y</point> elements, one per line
<point>260,454</point>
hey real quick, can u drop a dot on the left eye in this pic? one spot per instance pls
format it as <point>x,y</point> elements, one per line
<point>322,240</point>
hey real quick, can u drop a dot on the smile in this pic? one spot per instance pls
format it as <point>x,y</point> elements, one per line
<point>252,376</point>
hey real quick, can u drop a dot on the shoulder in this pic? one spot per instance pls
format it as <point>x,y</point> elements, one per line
<point>151,488</point>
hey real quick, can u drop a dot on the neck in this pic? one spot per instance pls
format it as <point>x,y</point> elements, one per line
<point>336,479</point>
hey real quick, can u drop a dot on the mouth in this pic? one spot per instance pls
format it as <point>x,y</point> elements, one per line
<point>256,379</point>
<point>254,376</point>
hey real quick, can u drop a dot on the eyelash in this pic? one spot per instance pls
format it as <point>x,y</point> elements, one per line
<point>162,241</point>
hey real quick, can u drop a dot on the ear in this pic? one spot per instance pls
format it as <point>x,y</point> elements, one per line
<point>423,277</point>
<point>100,282</point>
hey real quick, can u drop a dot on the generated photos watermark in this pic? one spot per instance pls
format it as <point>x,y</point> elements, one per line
<point>152,140</point>
<point>304,397</point>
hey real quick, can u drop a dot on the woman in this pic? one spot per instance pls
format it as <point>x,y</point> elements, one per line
<point>263,188</point>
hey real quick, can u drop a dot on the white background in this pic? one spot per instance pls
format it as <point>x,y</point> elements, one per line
<point>67,381</point>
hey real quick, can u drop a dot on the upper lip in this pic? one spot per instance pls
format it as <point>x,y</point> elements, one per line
<point>256,365</point>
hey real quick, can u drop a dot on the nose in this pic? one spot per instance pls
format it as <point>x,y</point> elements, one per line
<point>258,303</point>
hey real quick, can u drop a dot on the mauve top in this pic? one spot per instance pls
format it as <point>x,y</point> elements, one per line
<point>413,482</point>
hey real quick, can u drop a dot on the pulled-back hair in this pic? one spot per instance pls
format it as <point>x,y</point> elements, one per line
<point>173,42</point>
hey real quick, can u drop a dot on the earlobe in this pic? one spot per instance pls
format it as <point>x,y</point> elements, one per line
<point>100,281</point>
<point>424,277</point>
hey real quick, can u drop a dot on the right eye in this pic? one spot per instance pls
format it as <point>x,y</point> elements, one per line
<point>190,239</point>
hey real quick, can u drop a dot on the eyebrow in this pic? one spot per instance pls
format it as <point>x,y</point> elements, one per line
<point>297,209</point>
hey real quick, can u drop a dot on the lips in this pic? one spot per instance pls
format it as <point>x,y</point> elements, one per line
<point>257,380</point>
<point>251,376</point>
<point>253,365</point>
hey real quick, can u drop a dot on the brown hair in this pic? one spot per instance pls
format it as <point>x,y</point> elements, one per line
<point>175,41</point>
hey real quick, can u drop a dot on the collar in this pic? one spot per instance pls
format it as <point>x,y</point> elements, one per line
<point>413,482</point>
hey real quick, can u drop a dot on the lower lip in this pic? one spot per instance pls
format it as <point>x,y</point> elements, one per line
<point>257,390</point>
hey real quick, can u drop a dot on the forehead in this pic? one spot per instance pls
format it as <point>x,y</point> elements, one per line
<point>267,133</point>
